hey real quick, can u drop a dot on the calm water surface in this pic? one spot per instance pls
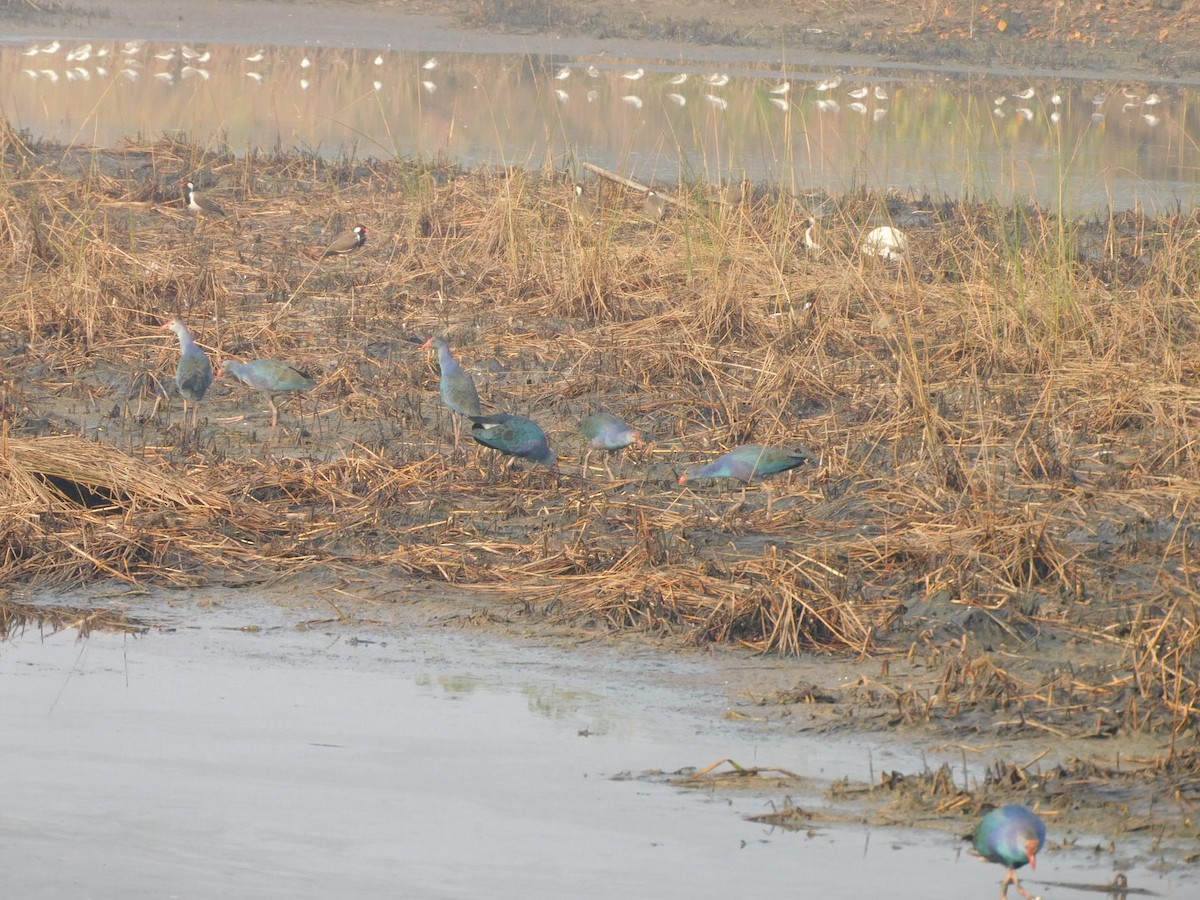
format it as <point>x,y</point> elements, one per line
<point>1072,144</point>
<point>212,761</point>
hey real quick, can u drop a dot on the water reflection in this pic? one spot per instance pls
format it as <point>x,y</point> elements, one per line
<point>1080,144</point>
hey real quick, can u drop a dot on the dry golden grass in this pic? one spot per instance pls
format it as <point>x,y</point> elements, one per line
<point>1007,421</point>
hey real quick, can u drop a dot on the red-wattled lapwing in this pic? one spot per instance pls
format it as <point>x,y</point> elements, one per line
<point>347,243</point>
<point>201,204</point>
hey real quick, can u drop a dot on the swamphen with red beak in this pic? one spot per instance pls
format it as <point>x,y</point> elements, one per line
<point>194,373</point>
<point>1011,835</point>
<point>456,387</point>
<point>750,461</point>
<point>271,377</point>
<point>515,436</point>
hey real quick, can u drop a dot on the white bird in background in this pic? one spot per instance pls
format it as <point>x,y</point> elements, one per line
<point>305,63</point>
<point>859,93</point>
<point>562,95</point>
<point>886,242</point>
<point>1000,101</point>
<point>33,50</point>
<point>51,48</point>
<point>257,56</point>
<point>678,79</point>
<point>782,88</point>
<point>1152,100</point>
<point>677,99</point>
<point>633,100</point>
<point>430,64</point>
<point>717,79</point>
<point>880,93</point>
<point>80,54</point>
<point>563,74</point>
<point>1026,94</point>
<point>131,48</point>
<point>1025,113</point>
<point>829,84</point>
<point>1056,99</point>
<point>634,75</point>
<point>377,85</point>
<point>378,60</point>
<point>719,102</point>
<point>188,52</point>
<point>165,55</point>
<point>102,52</point>
<point>593,72</point>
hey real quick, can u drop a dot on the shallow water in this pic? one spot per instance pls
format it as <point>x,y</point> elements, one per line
<point>211,761</point>
<point>1078,145</point>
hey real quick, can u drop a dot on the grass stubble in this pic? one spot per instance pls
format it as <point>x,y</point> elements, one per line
<point>1001,522</point>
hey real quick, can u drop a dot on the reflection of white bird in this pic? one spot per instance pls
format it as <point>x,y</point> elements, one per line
<point>188,52</point>
<point>593,72</point>
<point>1097,118</point>
<point>79,72</point>
<point>165,76</point>
<point>1000,101</point>
<point>717,79</point>
<point>32,73</point>
<point>165,55</point>
<point>131,48</point>
<point>429,86</point>
<point>633,100</point>
<point>782,88</point>
<point>998,113</point>
<point>678,79</point>
<point>306,63</point>
<point>1152,100</point>
<point>1127,106</point>
<point>859,107</point>
<point>562,95</point>
<point>880,93</point>
<point>80,54</point>
<point>779,103</point>
<point>304,83</point>
<point>634,75</point>
<point>378,60</point>
<point>1099,99</point>
<point>1026,94</point>
<point>33,50</point>
<point>1151,119</point>
<point>430,64</point>
<point>193,72</point>
<point>592,95</point>
<point>828,106</point>
<point>50,75</point>
<point>1056,99</point>
<point>829,84</point>
<point>878,115</point>
<point>886,242</point>
<point>255,77</point>
<point>563,74</point>
<point>1055,117</point>
<point>257,56</point>
<point>130,74</point>
<point>719,102</point>
<point>1025,113</point>
<point>677,99</point>
<point>859,93</point>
